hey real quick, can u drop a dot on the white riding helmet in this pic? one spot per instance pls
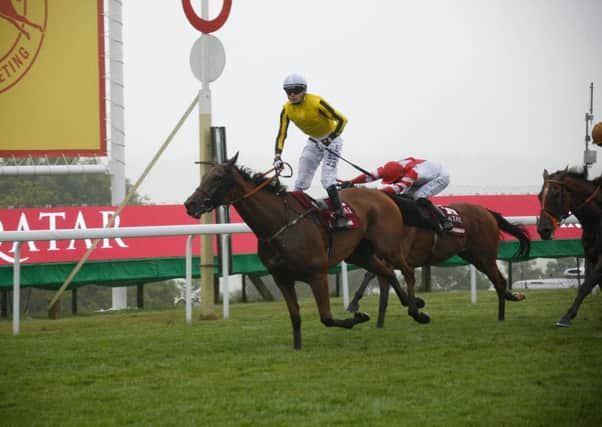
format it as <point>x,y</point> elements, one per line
<point>294,80</point>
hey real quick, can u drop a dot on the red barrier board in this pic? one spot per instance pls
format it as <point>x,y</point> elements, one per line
<point>174,246</point>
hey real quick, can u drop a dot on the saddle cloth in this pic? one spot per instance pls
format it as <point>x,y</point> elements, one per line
<point>324,214</point>
<point>455,219</point>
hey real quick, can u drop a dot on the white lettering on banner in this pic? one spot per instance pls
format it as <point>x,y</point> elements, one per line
<point>59,220</point>
<point>52,225</point>
<point>106,216</point>
<point>5,257</point>
<point>24,226</point>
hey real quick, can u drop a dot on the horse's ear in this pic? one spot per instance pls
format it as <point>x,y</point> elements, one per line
<point>545,174</point>
<point>232,161</point>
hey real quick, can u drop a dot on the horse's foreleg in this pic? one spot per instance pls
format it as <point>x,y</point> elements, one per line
<point>404,298</point>
<point>354,304</point>
<point>287,287</point>
<point>584,290</point>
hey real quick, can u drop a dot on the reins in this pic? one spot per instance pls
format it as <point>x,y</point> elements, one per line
<point>264,183</point>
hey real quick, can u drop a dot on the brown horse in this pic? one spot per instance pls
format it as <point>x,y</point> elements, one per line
<point>293,247</point>
<point>478,245</point>
<point>569,191</point>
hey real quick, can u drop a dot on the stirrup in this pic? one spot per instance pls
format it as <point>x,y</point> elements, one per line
<point>341,223</point>
<point>446,225</point>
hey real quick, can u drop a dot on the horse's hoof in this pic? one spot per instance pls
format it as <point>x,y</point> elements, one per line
<point>421,318</point>
<point>419,302</point>
<point>380,325</point>
<point>353,307</point>
<point>518,296</point>
<point>361,317</point>
<point>563,323</point>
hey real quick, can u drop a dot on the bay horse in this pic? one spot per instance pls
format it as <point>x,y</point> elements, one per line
<point>478,245</point>
<point>569,191</point>
<point>294,248</point>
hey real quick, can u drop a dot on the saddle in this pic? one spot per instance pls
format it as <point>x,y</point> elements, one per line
<point>413,216</point>
<point>323,213</point>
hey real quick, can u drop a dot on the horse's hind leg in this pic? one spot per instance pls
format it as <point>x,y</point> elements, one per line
<point>383,301</point>
<point>354,304</point>
<point>319,287</point>
<point>493,273</point>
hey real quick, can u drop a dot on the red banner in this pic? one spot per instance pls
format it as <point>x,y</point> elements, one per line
<point>157,247</point>
<point>69,218</point>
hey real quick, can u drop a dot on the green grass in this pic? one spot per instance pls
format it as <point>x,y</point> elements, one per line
<point>464,368</point>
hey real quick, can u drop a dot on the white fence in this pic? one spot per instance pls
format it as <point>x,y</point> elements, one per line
<point>100,233</point>
<point>172,230</point>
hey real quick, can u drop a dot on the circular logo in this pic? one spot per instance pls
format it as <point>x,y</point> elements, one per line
<point>22,28</point>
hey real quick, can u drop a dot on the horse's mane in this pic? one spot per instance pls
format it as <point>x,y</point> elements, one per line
<point>258,178</point>
<point>580,172</point>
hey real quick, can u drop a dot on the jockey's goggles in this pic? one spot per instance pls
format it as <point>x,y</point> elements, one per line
<point>294,90</point>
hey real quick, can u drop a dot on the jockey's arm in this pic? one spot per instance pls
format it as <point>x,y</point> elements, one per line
<point>282,130</point>
<point>328,111</point>
<point>401,186</point>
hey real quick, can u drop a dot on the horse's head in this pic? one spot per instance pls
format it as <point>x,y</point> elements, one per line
<point>555,202</point>
<point>214,189</point>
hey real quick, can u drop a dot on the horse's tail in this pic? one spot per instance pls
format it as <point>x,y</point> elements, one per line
<point>516,231</point>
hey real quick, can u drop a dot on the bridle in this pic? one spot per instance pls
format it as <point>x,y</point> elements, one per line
<point>555,221</point>
<point>254,190</point>
<point>278,173</point>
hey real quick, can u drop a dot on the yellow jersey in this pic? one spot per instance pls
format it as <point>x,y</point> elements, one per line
<point>314,116</point>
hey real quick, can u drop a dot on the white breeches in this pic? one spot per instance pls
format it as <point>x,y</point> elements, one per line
<point>430,188</point>
<point>313,153</point>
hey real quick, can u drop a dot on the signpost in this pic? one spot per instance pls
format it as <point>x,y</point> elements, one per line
<point>207,59</point>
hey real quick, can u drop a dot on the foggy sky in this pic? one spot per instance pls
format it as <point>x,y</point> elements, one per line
<point>496,90</point>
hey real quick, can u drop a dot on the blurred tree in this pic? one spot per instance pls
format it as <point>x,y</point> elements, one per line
<point>35,191</point>
<point>556,267</point>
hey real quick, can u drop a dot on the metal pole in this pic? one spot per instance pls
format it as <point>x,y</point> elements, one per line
<point>473,284</point>
<point>117,103</point>
<point>345,284</point>
<point>225,277</point>
<point>16,288</point>
<point>206,154</point>
<point>189,279</point>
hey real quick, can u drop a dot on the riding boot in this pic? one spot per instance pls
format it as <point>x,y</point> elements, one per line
<point>440,221</point>
<point>340,222</point>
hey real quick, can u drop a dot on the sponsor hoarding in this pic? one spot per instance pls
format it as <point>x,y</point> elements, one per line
<point>52,89</point>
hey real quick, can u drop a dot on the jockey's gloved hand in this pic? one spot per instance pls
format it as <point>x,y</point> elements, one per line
<point>346,184</point>
<point>278,163</point>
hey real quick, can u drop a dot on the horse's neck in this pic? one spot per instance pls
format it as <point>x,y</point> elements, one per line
<point>263,211</point>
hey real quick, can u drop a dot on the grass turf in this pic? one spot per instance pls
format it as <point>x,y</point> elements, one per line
<point>464,368</point>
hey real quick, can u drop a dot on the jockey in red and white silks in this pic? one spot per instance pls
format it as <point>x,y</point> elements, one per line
<point>412,177</point>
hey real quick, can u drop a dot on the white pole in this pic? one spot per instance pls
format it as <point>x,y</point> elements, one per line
<point>225,276</point>
<point>16,288</point>
<point>189,279</point>
<point>345,284</point>
<point>473,284</point>
<point>117,163</point>
<point>29,170</point>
